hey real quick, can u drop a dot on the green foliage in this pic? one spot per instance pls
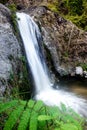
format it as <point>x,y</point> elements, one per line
<point>19,79</point>
<point>80,21</point>
<point>24,119</point>
<point>53,7</point>
<point>7,105</point>
<point>69,126</point>
<point>12,7</point>
<point>24,80</point>
<point>13,10</point>
<point>44,118</point>
<point>33,121</point>
<point>75,7</point>
<point>34,115</point>
<point>77,10</point>
<point>84,66</point>
<point>74,10</point>
<point>13,117</point>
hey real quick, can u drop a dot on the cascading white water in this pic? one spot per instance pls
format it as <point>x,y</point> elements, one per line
<point>30,33</point>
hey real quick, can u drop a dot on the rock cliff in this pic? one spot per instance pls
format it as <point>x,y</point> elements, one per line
<point>66,43</point>
<point>9,49</point>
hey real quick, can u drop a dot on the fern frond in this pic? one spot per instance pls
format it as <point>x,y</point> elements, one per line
<point>14,117</point>
<point>57,128</point>
<point>70,119</point>
<point>24,119</point>
<point>44,118</point>
<point>38,105</point>
<point>36,116</point>
<point>31,103</point>
<point>22,102</point>
<point>68,126</point>
<point>33,121</point>
<point>8,105</point>
<point>54,111</point>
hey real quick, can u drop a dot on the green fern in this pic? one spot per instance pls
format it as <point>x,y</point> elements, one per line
<point>31,104</point>
<point>44,118</point>
<point>8,105</point>
<point>69,126</point>
<point>34,115</point>
<point>24,120</point>
<point>33,121</point>
<point>55,112</point>
<point>14,117</point>
<point>38,105</point>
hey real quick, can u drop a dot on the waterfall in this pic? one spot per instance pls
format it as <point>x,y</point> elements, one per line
<point>31,35</point>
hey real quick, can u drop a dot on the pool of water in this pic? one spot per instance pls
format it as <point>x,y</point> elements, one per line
<point>77,86</point>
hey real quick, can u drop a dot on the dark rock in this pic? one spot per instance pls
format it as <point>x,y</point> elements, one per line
<point>5,11</point>
<point>20,7</point>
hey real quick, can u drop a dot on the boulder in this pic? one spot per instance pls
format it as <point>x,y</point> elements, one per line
<point>79,70</point>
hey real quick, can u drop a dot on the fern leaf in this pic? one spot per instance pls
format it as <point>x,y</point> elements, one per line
<point>44,117</point>
<point>31,103</point>
<point>42,111</point>
<point>70,119</point>
<point>24,119</point>
<point>54,111</point>
<point>57,129</point>
<point>22,102</point>
<point>13,117</point>
<point>63,107</point>
<point>33,121</point>
<point>69,127</point>
<point>7,105</point>
<point>73,113</point>
<point>38,105</point>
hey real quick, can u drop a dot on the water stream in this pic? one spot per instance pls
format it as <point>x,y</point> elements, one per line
<point>31,35</point>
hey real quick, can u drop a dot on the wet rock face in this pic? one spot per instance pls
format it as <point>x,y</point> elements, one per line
<point>9,48</point>
<point>67,44</point>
